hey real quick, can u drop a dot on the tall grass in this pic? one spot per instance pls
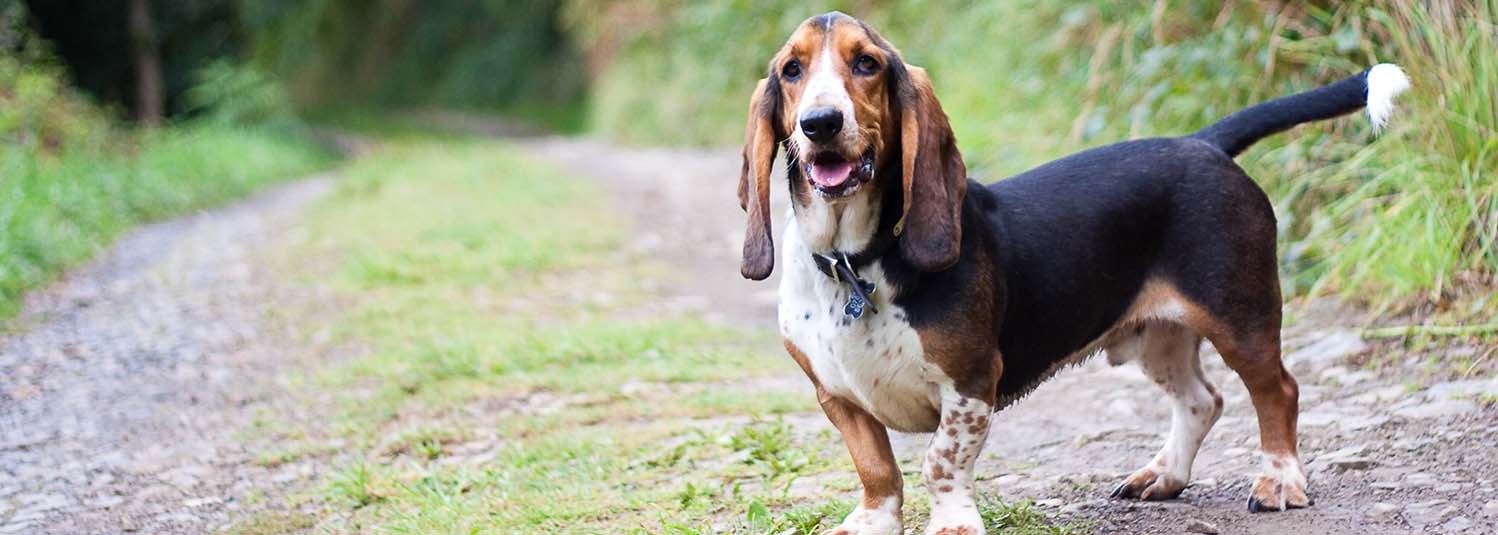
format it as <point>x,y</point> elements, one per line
<point>1404,219</point>
<point>57,210</point>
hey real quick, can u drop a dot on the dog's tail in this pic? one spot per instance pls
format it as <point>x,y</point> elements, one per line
<point>1374,88</point>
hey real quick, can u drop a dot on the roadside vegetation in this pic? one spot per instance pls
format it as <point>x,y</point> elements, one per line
<point>72,177</point>
<point>1407,220</point>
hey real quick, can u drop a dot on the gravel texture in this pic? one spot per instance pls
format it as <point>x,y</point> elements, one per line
<point>125,385</point>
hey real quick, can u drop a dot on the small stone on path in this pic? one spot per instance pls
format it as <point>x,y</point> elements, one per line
<point>1457,524</point>
<point>1351,463</point>
<point>1419,479</point>
<point>1437,409</point>
<point>1200,526</point>
<point>1382,510</point>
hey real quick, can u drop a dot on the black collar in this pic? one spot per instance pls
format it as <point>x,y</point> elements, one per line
<point>843,267</point>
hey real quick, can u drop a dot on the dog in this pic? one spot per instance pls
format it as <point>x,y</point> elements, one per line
<point>919,300</point>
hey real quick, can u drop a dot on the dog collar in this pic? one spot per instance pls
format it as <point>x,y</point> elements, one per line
<point>843,268</point>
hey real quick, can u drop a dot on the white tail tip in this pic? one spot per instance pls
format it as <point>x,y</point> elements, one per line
<point>1385,81</point>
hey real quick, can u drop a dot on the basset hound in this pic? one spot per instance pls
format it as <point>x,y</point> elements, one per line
<point>917,299</point>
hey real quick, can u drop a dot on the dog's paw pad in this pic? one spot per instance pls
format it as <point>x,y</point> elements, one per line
<point>1275,494</point>
<point>1149,485</point>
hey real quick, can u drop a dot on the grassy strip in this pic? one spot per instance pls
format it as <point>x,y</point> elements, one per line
<point>1431,330</point>
<point>1395,221</point>
<point>58,209</point>
<point>519,379</point>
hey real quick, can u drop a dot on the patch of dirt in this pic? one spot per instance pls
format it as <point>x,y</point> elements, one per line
<point>1384,456</point>
<point>126,386</point>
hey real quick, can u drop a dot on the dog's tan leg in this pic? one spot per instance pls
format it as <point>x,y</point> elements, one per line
<point>949,464</point>
<point>1167,353</point>
<point>878,513</point>
<point>868,443</point>
<point>1282,483</point>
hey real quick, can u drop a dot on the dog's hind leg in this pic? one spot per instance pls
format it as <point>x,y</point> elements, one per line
<point>1167,352</point>
<point>1256,357</point>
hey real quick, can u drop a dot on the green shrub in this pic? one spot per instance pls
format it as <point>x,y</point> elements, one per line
<point>240,95</point>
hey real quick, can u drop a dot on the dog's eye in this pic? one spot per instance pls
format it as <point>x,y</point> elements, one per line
<point>865,65</point>
<point>791,70</point>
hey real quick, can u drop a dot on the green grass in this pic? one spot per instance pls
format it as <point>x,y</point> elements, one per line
<point>59,208</point>
<point>272,523</point>
<point>513,376</point>
<point>1406,219</point>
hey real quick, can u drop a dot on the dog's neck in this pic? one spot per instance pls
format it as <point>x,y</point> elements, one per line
<point>845,225</point>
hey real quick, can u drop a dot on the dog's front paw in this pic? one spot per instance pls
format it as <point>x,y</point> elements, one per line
<point>964,529</point>
<point>884,520</point>
<point>1150,483</point>
<point>1281,486</point>
<point>961,519</point>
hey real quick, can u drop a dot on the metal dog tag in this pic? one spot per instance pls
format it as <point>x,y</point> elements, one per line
<point>856,300</point>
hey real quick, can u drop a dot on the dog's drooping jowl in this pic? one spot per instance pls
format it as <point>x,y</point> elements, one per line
<point>918,300</point>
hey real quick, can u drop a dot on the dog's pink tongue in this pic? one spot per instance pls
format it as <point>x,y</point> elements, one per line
<point>831,175</point>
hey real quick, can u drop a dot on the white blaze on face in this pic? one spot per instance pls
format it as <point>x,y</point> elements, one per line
<point>826,87</point>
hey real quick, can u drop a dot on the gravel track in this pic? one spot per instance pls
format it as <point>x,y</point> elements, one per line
<point>123,386</point>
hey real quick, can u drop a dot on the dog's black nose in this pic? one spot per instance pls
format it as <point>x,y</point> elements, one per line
<point>820,124</point>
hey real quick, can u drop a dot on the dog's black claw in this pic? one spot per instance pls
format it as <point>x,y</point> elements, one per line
<point>1162,496</point>
<point>1122,491</point>
<point>1256,506</point>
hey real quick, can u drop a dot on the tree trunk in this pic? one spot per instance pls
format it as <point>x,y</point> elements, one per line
<point>147,59</point>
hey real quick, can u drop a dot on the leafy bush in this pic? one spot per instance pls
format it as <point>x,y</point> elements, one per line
<point>38,111</point>
<point>229,94</point>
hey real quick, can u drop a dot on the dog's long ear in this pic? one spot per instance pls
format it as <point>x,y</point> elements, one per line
<point>754,180</point>
<point>932,174</point>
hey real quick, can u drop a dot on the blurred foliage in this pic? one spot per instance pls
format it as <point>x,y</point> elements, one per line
<point>1405,220</point>
<point>93,40</point>
<point>492,54</point>
<point>71,179</point>
<point>504,55</point>
<point>228,94</point>
<point>39,111</point>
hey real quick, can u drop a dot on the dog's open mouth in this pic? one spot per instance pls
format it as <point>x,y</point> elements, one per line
<point>835,175</point>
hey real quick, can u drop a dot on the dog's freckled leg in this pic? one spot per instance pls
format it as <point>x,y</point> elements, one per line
<point>1168,356</point>
<point>949,464</point>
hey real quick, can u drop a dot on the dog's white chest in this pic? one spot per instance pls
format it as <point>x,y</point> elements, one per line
<point>875,361</point>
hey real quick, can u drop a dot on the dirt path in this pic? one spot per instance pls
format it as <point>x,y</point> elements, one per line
<point>1386,454</point>
<point>125,385</point>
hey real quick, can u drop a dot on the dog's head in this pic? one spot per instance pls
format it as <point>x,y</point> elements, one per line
<point>850,113</point>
